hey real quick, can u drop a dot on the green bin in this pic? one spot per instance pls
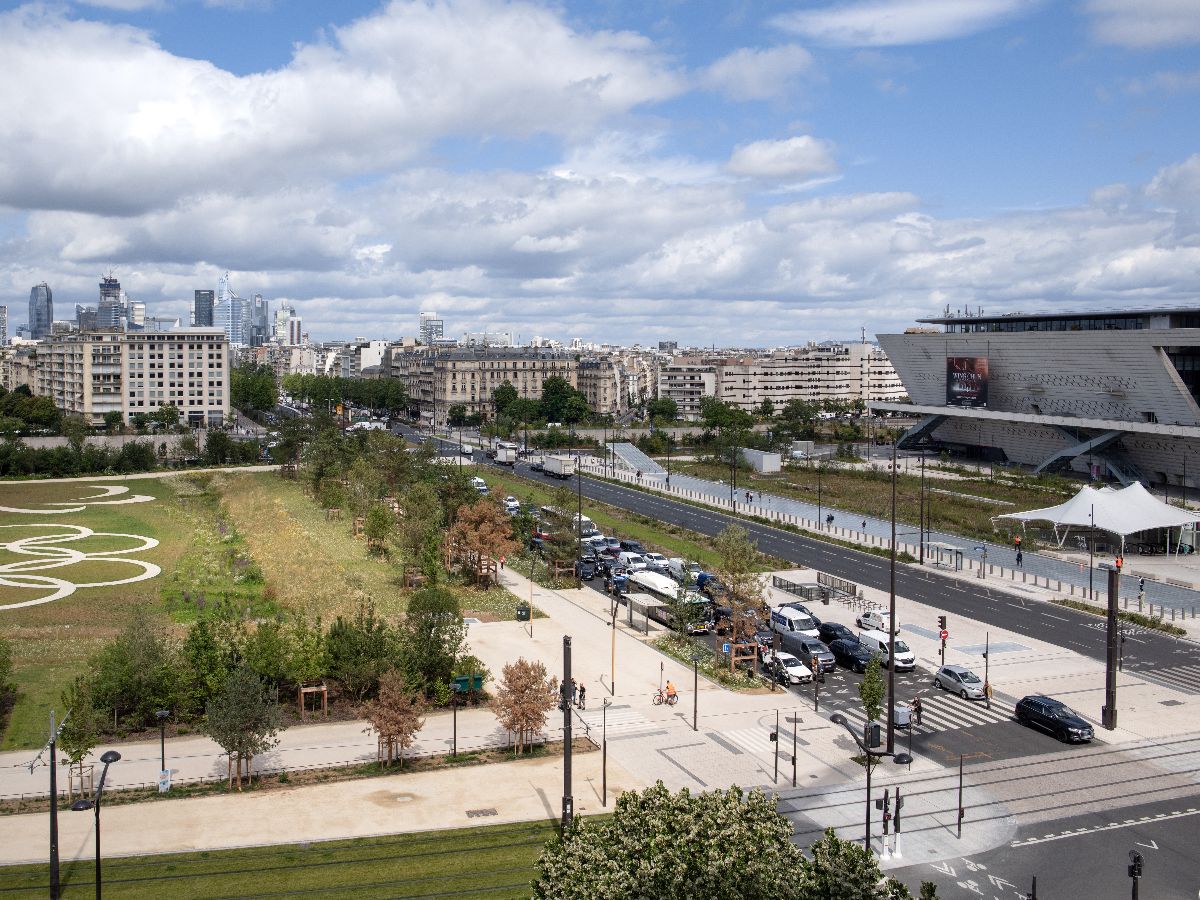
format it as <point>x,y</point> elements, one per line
<point>464,683</point>
<point>523,612</point>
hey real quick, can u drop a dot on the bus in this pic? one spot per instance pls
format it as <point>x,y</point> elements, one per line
<point>665,590</point>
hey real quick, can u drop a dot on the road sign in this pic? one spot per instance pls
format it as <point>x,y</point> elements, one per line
<point>725,648</point>
<point>944,635</point>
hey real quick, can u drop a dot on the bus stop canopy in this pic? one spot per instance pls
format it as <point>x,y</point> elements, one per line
<point>1121,512</point>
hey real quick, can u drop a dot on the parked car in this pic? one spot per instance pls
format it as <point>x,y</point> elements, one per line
<point>683,570</point>
<point>811,652</point>
<point>829,632</point>
<point>633,546</point>
<point>877,642</point>
<point>1055,717</point>
<point>591,556</point>
<point>585,569</point>
<point>612,547</point>
<point>873,621</point>
<point>850,654</point>
<point>632,561</point>
<point>786,669</point>
<point>960,680</point>
<point>480,485</point>
<point>512,505</point>
<point>656,562</point>
<point>617,580</point>
<point>467,450</point>
<point>786,620</point>
<point>536,465</point>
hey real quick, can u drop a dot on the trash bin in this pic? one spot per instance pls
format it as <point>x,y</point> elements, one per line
<point>523,612</point>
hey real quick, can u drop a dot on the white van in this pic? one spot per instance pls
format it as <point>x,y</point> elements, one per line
<point>480,485</point>
<point>632,561</point>
<point>791,621</point>
<point>877,642</point>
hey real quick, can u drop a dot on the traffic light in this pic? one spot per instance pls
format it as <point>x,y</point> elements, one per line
<point>941,623</point>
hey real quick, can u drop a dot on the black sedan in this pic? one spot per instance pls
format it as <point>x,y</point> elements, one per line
<point>1055,717</point>
<point>585,569</point>
<point>835,631</point>
<point>850,654</point>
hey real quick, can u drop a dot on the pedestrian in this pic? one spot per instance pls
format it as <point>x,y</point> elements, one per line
<point>502,562</point>
<point>916,710</point>
<point>582,695</point>
<point>574,690</point>
<point>1020,558</point>
<point>864,526</point>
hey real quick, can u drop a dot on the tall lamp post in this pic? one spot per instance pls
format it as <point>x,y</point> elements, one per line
<point>695,688</point>
<point>820,521</point>
<point>163,715</point>
<point>900,758</point>
<point>109,757</point>
<point>891,694</point>
<point>604,751</point>
<point>921,508</point>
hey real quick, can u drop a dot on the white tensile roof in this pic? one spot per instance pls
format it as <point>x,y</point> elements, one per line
<point>1126,511</point>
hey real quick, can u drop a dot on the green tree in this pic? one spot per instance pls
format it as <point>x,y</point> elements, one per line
<point>652,847</point>
<point>766,409</point>
<point>217,447</point>
<point>360,651</point>
<point>503,397</point>
<point>432,638</point>
<point>456,416</point>
<point>575,409</point>
<point>205,662</point>
<point>309,661</point>
<point>166,415</point>
<point>845,870</point>
<point>243,719</point>
<point>662,409</point>
<point>81,731</point>
<point>134,675</point>
<point>872,689</point>
<point>76,431</point>
<point>524,411</point>
<point>6,667</point>
<point>252,387</point>
<point>556,391</point>
<point>268,653</point>
<point>738,571</point>
<point>379,527</point>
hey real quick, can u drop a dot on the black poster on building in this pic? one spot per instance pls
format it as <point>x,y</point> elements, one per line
<point>966,380</point>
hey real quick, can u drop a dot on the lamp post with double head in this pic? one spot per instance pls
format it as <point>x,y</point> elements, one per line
<point>900,758</point>
<point>109,757</point>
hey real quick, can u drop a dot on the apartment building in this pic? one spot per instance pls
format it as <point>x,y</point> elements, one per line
<point>600,380</point>
<point>814,373</point>
<point>101,372</point>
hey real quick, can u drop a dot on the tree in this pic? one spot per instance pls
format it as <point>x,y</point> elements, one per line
<point>134,675</point>
<point>743,584</point>
<point>243,719</point>
<point>655,845</point>
<point>766,409</point>
<point>431,640</point>
<point>872,688</point>
<point>6,666</point>
<point>217,447</point>
<point>662,409</point>
<point>360,651</point>
<point>268,653</point>
<point>523,698</point>
<point>481,532</point>
<point>420,526</point>
<point>456,416</point>
<point>503,397</point>
<point>576,409</point>
<point>252,387</point>
<point>396,716</point>
<point>379,526</point>
<point>166,415</point>
<point>81,731</point>
<point>205,665</point>
<point>364,485</point>
<point>556,391</point>
<point>844,870</point>
<point>309,661</point>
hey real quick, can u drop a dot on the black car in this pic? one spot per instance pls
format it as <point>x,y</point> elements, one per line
<point>811,652</point>
<point>536,465</point>
<point>585,569</point>
<point>829,632</point>
<point>850,654</point>
<point>590,555</point>
<point>1055,717</point>
<point>632,547</point>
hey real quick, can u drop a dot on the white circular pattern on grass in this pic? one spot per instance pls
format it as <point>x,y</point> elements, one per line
<point>79,505</point>
<point>49,553</point>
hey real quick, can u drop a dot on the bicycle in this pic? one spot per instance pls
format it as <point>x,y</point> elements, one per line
<point>660,697</point>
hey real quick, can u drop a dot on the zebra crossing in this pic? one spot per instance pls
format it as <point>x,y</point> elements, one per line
<point>945,712</point>
<point>621,721</point>
<point>756,741</point>
<point>1185,679</point>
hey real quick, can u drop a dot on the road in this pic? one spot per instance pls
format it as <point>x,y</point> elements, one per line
<point>1158,658</point>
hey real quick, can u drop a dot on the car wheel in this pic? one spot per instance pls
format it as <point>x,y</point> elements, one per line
<point>1063,736</point>
<point>963,693</point>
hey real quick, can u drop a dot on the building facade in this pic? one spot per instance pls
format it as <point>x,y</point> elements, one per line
<point>1114,394</point>
<point>41,311</point>
<point>202,308</point>
<point>101,372</point>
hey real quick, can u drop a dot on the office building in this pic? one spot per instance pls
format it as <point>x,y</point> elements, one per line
<point>202,308</point>
<point>101,372</point>
<point>1113,394</point>
<point>41,311</point>
<point>288,328</point>
<point>431,329</point>
<point>3,326</point>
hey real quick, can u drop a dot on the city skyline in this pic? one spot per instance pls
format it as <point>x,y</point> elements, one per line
<point>617,175</point>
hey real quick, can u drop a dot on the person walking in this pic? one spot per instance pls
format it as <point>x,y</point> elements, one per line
<point>916,710</point>
<point>502,562</point>
<point>582,696</point>
<point>864,528</point>
<point>574,691</point>
<point>1020,559</point>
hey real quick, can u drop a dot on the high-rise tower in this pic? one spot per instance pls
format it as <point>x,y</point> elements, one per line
<point>41,311</point>
<point>202,309</point>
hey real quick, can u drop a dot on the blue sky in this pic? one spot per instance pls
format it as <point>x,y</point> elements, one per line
<point>735,173</point>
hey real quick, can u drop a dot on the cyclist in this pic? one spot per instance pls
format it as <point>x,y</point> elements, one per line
<point>672,694</point>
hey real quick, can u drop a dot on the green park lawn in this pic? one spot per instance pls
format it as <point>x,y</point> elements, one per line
<point>496,861</point>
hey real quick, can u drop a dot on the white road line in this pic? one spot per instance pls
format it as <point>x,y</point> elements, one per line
<point>1177,814</point>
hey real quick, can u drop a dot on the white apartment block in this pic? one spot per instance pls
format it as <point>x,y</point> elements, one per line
<point>814,373</point>
<point>96,373</point>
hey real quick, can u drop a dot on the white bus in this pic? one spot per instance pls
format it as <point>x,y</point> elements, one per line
<point>664,589</point>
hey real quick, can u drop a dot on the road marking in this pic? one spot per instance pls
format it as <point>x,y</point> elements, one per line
<point>1060,618</point>
<point>1177,814</point>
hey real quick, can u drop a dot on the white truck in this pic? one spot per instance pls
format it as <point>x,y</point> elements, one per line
<point>506,456</point>
<point>559,466</point>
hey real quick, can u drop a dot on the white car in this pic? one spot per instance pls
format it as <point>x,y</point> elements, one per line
<point>788,668</point>
<point>512,505</point>
<point>656,562</point>
<point>634,562</point>
<point>873,621</point>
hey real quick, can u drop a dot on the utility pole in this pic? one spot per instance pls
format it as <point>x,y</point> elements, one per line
<point>987,684</point>
<point>775,745</point>
<point>1108,715</point>
<point>891,709</point>
<point>568,803</point>
<point>795,728</point>
<point>921,509</point>
<point>961,812</point>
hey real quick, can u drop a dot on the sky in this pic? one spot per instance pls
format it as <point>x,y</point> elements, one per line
<point>716,173</point>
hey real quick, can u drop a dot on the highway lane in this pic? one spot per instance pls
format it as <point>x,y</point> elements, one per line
<point>1165,660</point>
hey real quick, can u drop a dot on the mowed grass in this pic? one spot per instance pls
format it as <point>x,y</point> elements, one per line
<point>52,641</point>
<point>496,861</point>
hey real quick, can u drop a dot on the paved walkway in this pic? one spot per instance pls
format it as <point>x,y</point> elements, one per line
<point>851,527</point>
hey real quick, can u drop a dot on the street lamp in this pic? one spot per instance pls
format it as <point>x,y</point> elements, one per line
<point>109,757</point>
<point>891,682</point>
<point>695,688</point>
<point>604,751</point>
<point>820,521</point>
<point>162,715</point>
<point>901,758</point>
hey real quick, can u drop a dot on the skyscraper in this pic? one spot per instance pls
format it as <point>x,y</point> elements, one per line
<point>3,326</point>
<point>202,309</point>
<point>431,328</point>
<point>41,311</point>
<point>111,312</point>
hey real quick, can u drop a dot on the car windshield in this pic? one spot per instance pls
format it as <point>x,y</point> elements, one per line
<point>788,660</point>
<point>901,647</point>
<point>969,677</point>
<point>1062,711</point>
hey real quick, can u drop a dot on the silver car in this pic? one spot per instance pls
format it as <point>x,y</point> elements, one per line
<point>960,680</point>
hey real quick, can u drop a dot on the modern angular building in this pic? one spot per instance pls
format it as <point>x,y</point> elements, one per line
<point>41,311</point>
<point>202,308</point>
<point>1112,393</point>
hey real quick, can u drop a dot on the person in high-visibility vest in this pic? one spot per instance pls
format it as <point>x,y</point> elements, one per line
<point>1120,561</point>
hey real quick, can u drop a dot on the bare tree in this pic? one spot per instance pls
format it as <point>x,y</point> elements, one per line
<point>523,697</point>
<point>397,716</point>
<point>481,532</point>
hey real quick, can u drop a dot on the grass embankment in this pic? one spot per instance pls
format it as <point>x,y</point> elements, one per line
<point>868,493</point>
<point>52,641</point>
<point>496,861</point>
<point>1138,619</point>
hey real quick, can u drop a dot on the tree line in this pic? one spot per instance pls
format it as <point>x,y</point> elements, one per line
<point>386,395</point>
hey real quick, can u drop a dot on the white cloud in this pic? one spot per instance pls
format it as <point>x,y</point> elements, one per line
<point>125,5</point>
<point>160,127</point>
<point>1145,24</point>
<point>884,23</point>
<point>794,158</point>
<point>756,74</point>
<point>1167,82</point>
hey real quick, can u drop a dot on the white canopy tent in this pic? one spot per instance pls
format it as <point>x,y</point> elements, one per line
<point>1120,512</point>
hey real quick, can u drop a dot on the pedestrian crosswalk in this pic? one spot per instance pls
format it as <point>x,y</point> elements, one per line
<point>621,720</point>
<point>1185,679</point>
<point>944,712</point>
<point>752,740</point>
